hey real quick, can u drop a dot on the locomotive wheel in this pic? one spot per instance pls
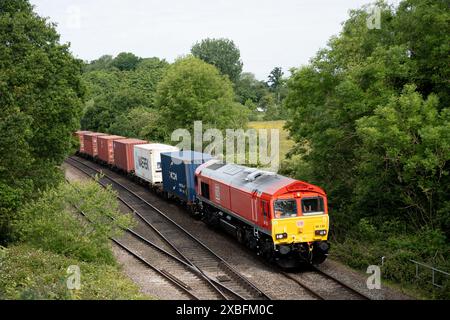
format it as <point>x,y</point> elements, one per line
<point>267,250</point>
<point>240,235</point>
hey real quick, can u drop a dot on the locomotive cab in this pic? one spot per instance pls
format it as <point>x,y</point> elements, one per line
<point>300,224</point>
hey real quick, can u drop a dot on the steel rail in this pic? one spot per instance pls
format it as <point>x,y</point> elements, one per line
<point>171,278</point>
<point>148,242</point>
<point>310,290</point>
<point>341,283</point>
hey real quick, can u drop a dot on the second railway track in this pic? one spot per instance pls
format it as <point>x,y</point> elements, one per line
<point>179,244</point>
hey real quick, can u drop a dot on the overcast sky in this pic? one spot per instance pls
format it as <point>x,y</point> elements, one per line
<point>269,33</point>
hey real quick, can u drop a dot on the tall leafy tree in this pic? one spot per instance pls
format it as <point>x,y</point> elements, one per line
<point>102,63</point>
<point>113,93</point>
<point>276,78</point>
<point>276,82</point>
<point>126,61</point>
<point>194,90</point>
<point>250,88</point>
<point>222,53</point>
<point>40,101</point>
<point>363,112</point>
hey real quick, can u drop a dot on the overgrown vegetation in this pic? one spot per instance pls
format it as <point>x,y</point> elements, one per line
<point>51,235</point>
<point>371,119</point>
<point>208,85</point>
<point>52,222</point>
<point>40,104</point>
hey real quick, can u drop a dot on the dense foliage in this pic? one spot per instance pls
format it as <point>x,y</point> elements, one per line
<point>53,222</point>
<point>41,104</point>
<point>371,118</point>
<point>221,53</point>
<point>114,92</point>
<point>51,234</point>
<point>193,90</point>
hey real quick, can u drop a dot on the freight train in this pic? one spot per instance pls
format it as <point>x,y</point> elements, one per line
<point>284,220</point>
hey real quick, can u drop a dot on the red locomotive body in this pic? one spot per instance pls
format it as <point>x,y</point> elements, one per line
<point>276,214</point>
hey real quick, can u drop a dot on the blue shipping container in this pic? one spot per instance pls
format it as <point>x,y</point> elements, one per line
<point>178,172</point>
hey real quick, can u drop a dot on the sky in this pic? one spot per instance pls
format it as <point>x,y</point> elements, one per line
<point>269,33</point>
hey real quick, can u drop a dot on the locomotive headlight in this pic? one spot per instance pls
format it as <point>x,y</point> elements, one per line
<point>280,236</point>
<point>321,232</point>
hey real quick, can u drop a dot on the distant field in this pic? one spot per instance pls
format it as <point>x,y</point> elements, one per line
<point>285,143</point>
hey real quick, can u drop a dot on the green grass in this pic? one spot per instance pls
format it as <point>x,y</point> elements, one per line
<point>285,143</point>
<point>35,274</point>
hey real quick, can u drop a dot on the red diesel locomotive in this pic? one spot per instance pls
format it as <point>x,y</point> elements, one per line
<point>281,218</point>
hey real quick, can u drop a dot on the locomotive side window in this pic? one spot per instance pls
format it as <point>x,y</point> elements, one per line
<point>285,208</point>
<point>205,190</point>
<point>312,206</point>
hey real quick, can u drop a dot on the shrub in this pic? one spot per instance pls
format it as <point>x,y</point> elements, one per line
<point>52,223</point>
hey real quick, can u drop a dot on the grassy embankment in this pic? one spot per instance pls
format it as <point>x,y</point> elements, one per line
<point>51,236</point>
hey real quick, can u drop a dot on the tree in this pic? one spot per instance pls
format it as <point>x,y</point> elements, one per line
<point>113,93</point>
<point>276,78</point>
<point>108,107</point>
<point>221,53</point>
<point>352,106</point>
<point>41,104</point>
<point>276,82</point>
<point>405,148</point>
<point>102,63</point>
<point>126,61</point>
<point>143,123</point>
<point>194,90</point>
<point>249,88</point>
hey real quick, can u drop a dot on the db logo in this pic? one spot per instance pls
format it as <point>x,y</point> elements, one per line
<point>173,176</point>
<point>300,223</point>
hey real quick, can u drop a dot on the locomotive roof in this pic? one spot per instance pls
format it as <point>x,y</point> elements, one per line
<point>253,179</point>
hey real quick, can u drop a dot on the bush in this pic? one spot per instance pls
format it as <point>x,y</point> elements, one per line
<point>367,242</point>
<point>53,224</point>
<point>30,273</point>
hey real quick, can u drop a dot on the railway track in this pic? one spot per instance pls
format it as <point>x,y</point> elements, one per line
<point>318,278</point>
<point>179,246</point>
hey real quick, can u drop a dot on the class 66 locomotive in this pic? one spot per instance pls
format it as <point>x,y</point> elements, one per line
<point>282,219</point>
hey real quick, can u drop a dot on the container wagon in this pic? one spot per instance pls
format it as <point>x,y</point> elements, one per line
<point>147,161</point>
<point>90,143</point>
<point>124,154</point>
<point>178,171</point>
<point>80,136</point>
<point>105,148</point>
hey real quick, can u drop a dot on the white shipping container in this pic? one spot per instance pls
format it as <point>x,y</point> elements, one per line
<point>147,161</point>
